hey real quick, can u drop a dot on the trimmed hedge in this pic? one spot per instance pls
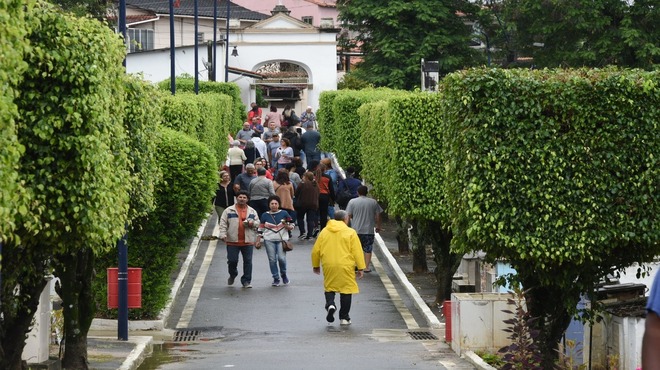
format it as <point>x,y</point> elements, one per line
<point>238,113</point>
<point>182,202</point>
<point>204,117</point>
<point>342,125</point>
<point>14,29</point>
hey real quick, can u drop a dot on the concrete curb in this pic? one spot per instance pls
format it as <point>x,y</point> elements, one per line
<point>430,317</point>
<point>142,350</point>
<point>477,361</point>
<point>159,324</point>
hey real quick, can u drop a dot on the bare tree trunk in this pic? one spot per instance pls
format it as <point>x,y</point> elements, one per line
<point>402,236</point>
<point>447,263</point>
<point>75,272</point>
<point>548,305</point>
<point>419,240</point>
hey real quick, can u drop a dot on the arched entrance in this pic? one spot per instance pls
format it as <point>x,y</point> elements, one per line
<point>284,83</point>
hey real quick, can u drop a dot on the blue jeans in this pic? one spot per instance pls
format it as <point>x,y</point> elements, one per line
<point>232,262</point>
<point>275,255</point>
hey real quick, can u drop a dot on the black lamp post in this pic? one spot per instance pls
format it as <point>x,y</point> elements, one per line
<point>227,42</point>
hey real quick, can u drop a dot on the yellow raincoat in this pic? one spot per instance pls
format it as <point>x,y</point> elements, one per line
<point>338,251</point>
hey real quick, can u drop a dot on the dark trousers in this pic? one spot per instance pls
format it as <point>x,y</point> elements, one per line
<point>259,205</point>
<point>344,300</point>
<point>235,170</point>
<point>311,220</point>
<point>324,201</point>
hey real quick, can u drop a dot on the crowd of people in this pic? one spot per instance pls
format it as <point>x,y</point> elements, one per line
<point>277,178</point>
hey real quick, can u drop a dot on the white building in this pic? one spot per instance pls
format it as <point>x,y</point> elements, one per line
<point>298,60</point>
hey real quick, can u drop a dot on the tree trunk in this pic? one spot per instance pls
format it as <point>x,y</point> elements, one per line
<point>20,291</point>
<point>419,240</point>
<point>446,265</point>
<point>548,305</point>
<point>75,272</point>
<point>402,236</point>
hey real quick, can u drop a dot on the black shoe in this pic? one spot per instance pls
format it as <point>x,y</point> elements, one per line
<point>301,237</point>
<point>331,313</point>
<point>231,279</point>
<point>316,232</point>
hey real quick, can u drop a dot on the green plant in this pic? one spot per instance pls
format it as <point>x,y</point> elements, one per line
<point>522,353</point>
<point>568,353</point>
<point>491,359</point>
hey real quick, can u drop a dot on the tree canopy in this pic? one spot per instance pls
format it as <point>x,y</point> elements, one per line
<point>395,35</point>
<point>563,33</point>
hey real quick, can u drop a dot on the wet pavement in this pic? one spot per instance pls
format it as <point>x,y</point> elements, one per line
<point>212,325</point>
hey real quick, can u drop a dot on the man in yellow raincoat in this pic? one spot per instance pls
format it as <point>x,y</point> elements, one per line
<point>339,251</point>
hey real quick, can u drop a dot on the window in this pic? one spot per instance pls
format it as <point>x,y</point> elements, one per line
<point>139,39</point>
<point>308,19</point>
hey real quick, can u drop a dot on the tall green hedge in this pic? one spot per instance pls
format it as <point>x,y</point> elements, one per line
<point>12,47</point>
<point>238,112</point>
<point>204,117</point>
<point>558,172</point>
<point>182,202</point>
<point>342,126</point>
<point>326,119</point>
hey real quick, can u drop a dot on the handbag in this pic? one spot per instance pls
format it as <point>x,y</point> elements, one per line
<point>287,246</point>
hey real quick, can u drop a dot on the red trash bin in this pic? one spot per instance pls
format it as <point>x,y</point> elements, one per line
<point>446,312</point>
<point>134,287</point>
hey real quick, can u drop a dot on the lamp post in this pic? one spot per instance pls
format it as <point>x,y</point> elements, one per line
<point>227,42</point>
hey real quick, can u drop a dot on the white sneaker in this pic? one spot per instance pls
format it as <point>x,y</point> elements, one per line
<point>345,322</point>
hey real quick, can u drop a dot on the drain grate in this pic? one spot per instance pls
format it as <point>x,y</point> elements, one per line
<point>186,335</point>
<point>422,335</point>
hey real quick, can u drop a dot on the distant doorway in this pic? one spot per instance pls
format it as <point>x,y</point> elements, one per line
<point>284,83</point>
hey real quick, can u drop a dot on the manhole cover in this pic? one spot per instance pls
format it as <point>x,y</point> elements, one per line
<point>422,335</point>
<point>186,335</point>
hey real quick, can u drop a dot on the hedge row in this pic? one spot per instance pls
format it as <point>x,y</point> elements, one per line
<point>205,117</point>
<point>339,121</point>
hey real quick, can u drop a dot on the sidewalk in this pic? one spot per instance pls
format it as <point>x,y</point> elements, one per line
<point>106,352</point>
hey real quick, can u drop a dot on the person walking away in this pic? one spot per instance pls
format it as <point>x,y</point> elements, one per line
<point>238,229</point>
<point>308,119</point>
<point>365,213</point>
<point>285,191</point>
<point>326,195</point>
<point>337,250</point>
<point>274,228</point>
<point>651,339</point>
<point>224,194</point>
<point>329,171</point>
<point>260,189</point>
<point>310,141</point>
<point>350,185</point>
<point>260,145</point>
<point>250,151</point>
<point>236,157</point>
<point>294,177</point>
<point>307,204</point>
<point>274,117</point>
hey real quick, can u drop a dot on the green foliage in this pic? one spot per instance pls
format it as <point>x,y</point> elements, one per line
<point>205,117</point>
<point>343,134</point>
<point>557,172</point>
<point>417,175</point>
<point>522,353</point>
<point>326,120</point>
<point>12,47</point>
<point>352,81</point>
<point>182,200</point>
<point>395,35</point>
<point>377,142</point>
<point>141,121</point>
<point>237,115</point>
<point>75,163</point>
<point>577,34</point>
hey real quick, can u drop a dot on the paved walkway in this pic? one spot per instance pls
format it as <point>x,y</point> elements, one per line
<point>386,315</point>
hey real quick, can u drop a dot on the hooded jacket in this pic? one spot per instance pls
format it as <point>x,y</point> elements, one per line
<point>338,251</point>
